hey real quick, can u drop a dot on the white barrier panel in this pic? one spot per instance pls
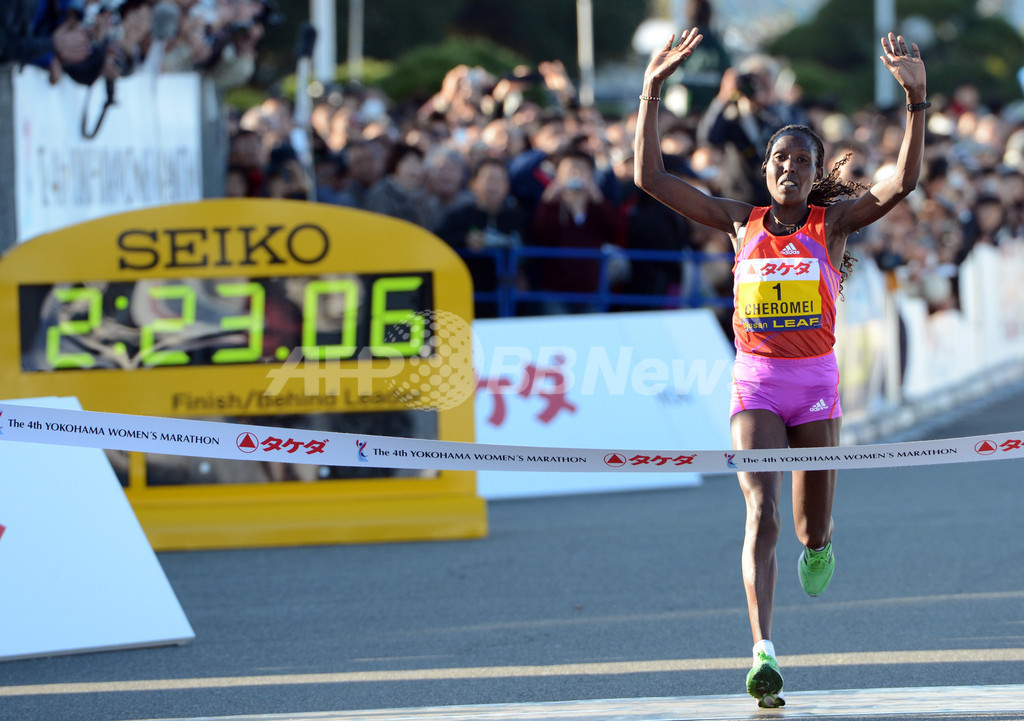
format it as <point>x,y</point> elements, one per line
<point>939,354</point>
<point>579,378</point>
<point>993,302</point>
<point>949,347</point>
<point>77,572</point>
<point>146,152</point>
<point>860,342</point>
<point>208,439</point>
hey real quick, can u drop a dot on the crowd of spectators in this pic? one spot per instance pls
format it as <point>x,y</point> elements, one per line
<point>487,165</point>
<point>496,164</point>
<point>91,39</point>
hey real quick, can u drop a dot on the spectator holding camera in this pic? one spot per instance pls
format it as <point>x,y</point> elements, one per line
<point>31,32</point>
<point>54,38</point>
<point>573,213</point>
<point>234,30</point>
<point>90,39</point>
<point>191,47</point>
<point>126,49</point>
<point>740,120</point>
<point>485,226</point>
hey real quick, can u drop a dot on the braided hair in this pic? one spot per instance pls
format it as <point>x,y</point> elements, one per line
<point>829,189</point>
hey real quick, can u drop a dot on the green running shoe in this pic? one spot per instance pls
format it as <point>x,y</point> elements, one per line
<point>815,569</point>
<point>764,682</point>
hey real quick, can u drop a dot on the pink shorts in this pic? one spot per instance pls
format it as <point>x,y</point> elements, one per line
<point>798,390</point>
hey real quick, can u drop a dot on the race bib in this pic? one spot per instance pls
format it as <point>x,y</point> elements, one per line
<point>778,295</point>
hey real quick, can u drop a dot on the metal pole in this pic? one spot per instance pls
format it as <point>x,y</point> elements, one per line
<point>355,40</point>
<point>885,22</point>
<point>585,46</point>
<point>325,55</point>
<point>301,134</point>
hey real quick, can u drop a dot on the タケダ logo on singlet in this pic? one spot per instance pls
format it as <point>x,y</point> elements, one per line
<point>775,294</point>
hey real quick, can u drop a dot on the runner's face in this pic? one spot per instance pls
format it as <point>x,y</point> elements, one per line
<point>791,170</point>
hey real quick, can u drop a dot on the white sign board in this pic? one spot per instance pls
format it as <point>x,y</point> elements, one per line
<point>76,571</point>
<point>948,347</point>
<point>147,151</point>
<point>635,380</point>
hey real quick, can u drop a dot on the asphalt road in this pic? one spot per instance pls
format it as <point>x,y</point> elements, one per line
<point>628,595</point>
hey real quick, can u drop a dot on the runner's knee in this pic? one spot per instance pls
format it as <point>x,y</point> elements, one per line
<point>763,515</point>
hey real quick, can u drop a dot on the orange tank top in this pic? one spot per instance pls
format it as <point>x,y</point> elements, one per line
<point>784,290</point>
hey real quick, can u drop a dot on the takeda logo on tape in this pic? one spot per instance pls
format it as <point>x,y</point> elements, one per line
<point>247,442</point>
<point>615,460</point>
<point>987,447</point>
<point>618,460</point>
<point>291,445</point>
<point>250,443</point>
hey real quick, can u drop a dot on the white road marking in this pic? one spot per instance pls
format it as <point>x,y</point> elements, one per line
<point>816,660</point>
<point>910,703</point>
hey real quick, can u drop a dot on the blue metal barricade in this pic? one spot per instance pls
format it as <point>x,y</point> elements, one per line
<point>508,296</point>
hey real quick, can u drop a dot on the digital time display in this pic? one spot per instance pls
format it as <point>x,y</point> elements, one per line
<point>205,321</point>
<point>298,316</point>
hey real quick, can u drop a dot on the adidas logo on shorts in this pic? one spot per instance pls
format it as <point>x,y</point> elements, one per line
<point>790,250</point>
<point>819,406</point>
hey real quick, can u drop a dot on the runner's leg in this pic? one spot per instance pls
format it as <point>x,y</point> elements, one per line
<point>814,491</point>
<point>758,429</point>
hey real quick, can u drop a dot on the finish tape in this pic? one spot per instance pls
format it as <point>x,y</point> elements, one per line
<point>208,439</point>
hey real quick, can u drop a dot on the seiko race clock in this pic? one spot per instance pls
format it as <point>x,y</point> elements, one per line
<point>279,313</point>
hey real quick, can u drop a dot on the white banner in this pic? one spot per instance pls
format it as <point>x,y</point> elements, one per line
<point>993,303</point>
<point>949,347</point>
<point>146,152</point>
<point>148,434</point>
<point>861,337</point>
<point>576,377</point>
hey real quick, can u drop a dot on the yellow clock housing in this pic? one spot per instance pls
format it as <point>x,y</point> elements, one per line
<point>272,312</point>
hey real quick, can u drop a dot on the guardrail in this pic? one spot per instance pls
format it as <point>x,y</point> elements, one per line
<point>507,296</point>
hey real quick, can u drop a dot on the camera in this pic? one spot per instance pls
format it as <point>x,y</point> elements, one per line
<point>575,184</point>
<point>239,29</point>
<point>747,84</point>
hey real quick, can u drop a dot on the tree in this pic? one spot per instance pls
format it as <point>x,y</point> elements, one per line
<point>534,30</point>
<point>833,55</point>
<point>417,74</point>
<point>546,29</point>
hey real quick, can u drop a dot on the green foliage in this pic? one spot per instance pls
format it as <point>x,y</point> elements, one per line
<point>245,97</point>
<point>936,9</point>
<point>834,54</point>
<point>833,38</point>
<point>394,27</point>
<point>414,76</point>
<point>535,30</point>
<point>418,73</point>
<point>374,72</point>
<point>546,30</point>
